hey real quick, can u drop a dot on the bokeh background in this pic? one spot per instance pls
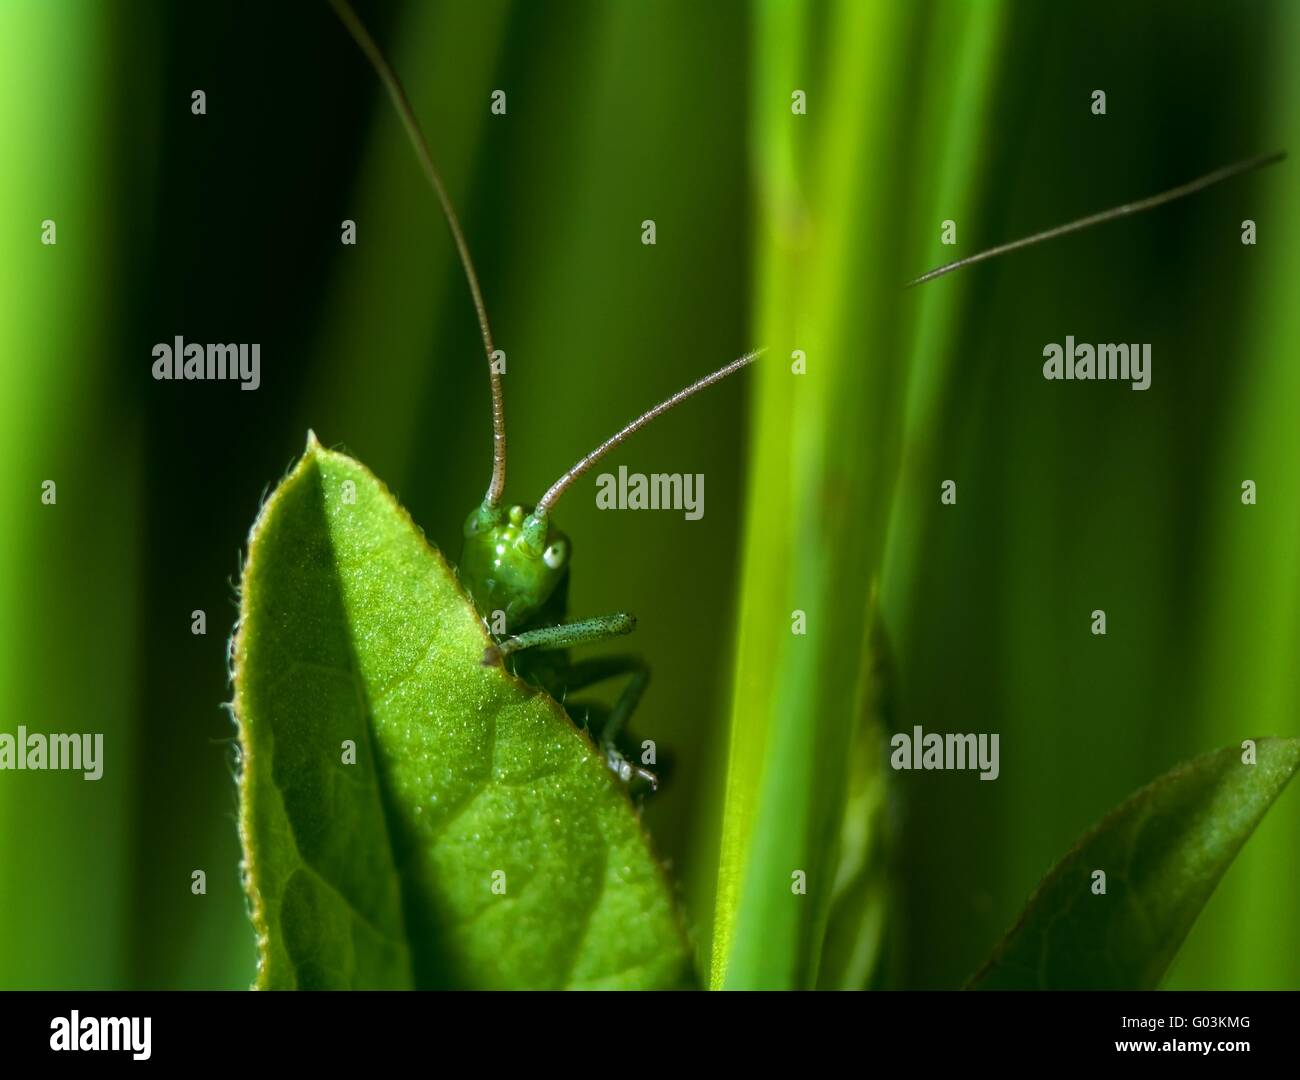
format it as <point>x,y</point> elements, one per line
<point>794,232</point>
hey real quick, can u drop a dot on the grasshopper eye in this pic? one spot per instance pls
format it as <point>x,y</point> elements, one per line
<point>555,555</point>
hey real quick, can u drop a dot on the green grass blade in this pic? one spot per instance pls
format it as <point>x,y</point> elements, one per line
<point>69,571</point>
<point>822,462</point>
<point>826,459</point>
<point>1249,636</point>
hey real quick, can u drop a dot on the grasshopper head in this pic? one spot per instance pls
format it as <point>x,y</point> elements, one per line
<point>512,562</point>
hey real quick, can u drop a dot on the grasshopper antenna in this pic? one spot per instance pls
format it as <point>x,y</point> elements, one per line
<point>547,501</point>
<point>1149,203</point>
<point>393,85</point>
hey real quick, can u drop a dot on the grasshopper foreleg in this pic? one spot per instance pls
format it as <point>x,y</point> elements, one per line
<point>562,635</point>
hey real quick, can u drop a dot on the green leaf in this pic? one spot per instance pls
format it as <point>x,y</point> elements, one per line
<point>1163,852</point>
<point>381,873</point>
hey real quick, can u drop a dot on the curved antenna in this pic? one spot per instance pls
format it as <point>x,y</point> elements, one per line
<point>392,84</point>
<point>547,501</point>
<point>1149,203</point>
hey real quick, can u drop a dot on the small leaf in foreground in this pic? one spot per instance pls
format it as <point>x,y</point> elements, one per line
<point>409,817</point>
<point>1162,852</point>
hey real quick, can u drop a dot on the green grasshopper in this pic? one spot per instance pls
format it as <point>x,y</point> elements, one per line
<point>515,561</point>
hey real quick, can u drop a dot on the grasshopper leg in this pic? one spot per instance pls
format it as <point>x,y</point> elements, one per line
<point>562,635</point>
<point>589,672</point>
